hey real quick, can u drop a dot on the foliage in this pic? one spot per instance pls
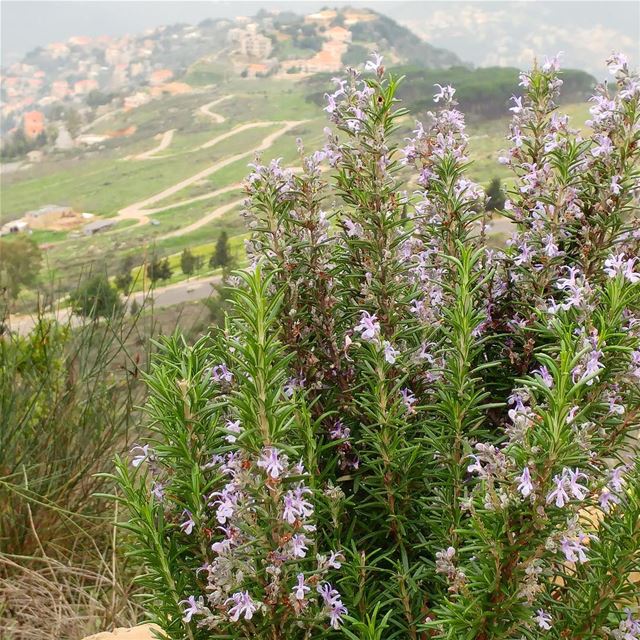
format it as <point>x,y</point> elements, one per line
<point>188,262</point>
<point>464,418</point>
<point>495,196</point>
<point>124,278</point>
<point>483,93</point>
<point>68,398</point>
<point>18,144</point>
<point>159,269</point>
<point>221,256</point>
<point>96,298</point>
<point>20,265</point>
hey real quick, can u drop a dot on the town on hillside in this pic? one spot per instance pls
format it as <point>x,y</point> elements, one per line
<point>50,97</point>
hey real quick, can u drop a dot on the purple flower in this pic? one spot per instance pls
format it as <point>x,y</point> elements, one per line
<point>568,482</point>
<point>559,494</point>
<point>408,399</point>
<point>220,373</point>
<point>615,186</point>
<point>298,546</point>
<point>374,65</point>
<point>333,603</point>
<point>604,148</point>
<point>271,463</point>
<point>242,605</point>
<point>573,549</point>
<point>517,105</point>
<point>188,524</point>
<point>607,497</point>
<point>295,506</point>
<point>579,491</point>
<point>301,589</point>
<point>369,326</point>
<point>354,229</point>
<point>544,374</point>
<point>552,64</point>
<point>445,93</point>
<point>141,457</point>
<point>526,486</point>
<point>617,480</point>
<point>157,491</point>
<point>390,354</point>
<point>543,619</point>
<point>233,427</point>
<point>193,608</point>
<point>617,62</point>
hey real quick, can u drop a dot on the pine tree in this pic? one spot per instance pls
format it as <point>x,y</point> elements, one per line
<point>188,262</point>
<point>222,255</point>
<point>495,195</point>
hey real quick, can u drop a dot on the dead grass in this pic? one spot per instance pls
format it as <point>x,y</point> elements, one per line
<point>68,597</point>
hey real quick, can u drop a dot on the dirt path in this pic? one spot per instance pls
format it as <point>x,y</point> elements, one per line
<point>165,141</point>
<point>212,215</point>
<point>204,196</point>
<point>233,132</point>
<point>140,210</point>
<point>205,109</point>
<point>165,296</point>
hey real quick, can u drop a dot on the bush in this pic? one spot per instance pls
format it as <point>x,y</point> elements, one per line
<point>68,398</point>
<point>96,298</point>
<point>400,433</point>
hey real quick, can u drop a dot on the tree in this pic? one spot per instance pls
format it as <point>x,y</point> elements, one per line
<point>124,278</point>
<point>96,98</point>
<point>20,262</point>
<point>222,255</point>
<point>96,298</point>
<point>159,269</point>
<point>73,122</point>
<point>188,262</point>
<point>495,195</point>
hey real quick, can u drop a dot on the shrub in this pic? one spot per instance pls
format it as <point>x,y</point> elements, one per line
<point>96,298</point>
<point>68,398</point>
<point>400,433</point>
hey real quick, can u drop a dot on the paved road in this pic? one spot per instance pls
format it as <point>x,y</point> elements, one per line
<point>188,291</point>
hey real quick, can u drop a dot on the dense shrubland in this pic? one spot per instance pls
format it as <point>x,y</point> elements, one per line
<point>400,433</point>
<point>482,94</point>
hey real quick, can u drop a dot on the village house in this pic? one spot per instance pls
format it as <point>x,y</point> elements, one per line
<point>250,43</point>
<point>160,76</point>
<point>15,226</point>
<point>136,100</point>
<point>83,87</point>
<point>33,123</point>
<point>60,89</point>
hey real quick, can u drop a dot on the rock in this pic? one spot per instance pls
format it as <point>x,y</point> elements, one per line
<point>143,632</point>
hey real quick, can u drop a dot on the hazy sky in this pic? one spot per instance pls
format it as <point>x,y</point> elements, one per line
<point>481,32</point>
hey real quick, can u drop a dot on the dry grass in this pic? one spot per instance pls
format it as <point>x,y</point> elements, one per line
<point>72,596</point>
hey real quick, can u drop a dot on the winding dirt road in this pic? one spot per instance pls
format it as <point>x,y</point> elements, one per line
<point>165,141</point>
<point>205,109</point>
<point>140,210</point>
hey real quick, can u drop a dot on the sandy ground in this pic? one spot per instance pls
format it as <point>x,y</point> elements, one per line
<point>143,632</point>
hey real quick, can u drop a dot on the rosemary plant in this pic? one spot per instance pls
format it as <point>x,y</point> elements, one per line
<point>402,433</point>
